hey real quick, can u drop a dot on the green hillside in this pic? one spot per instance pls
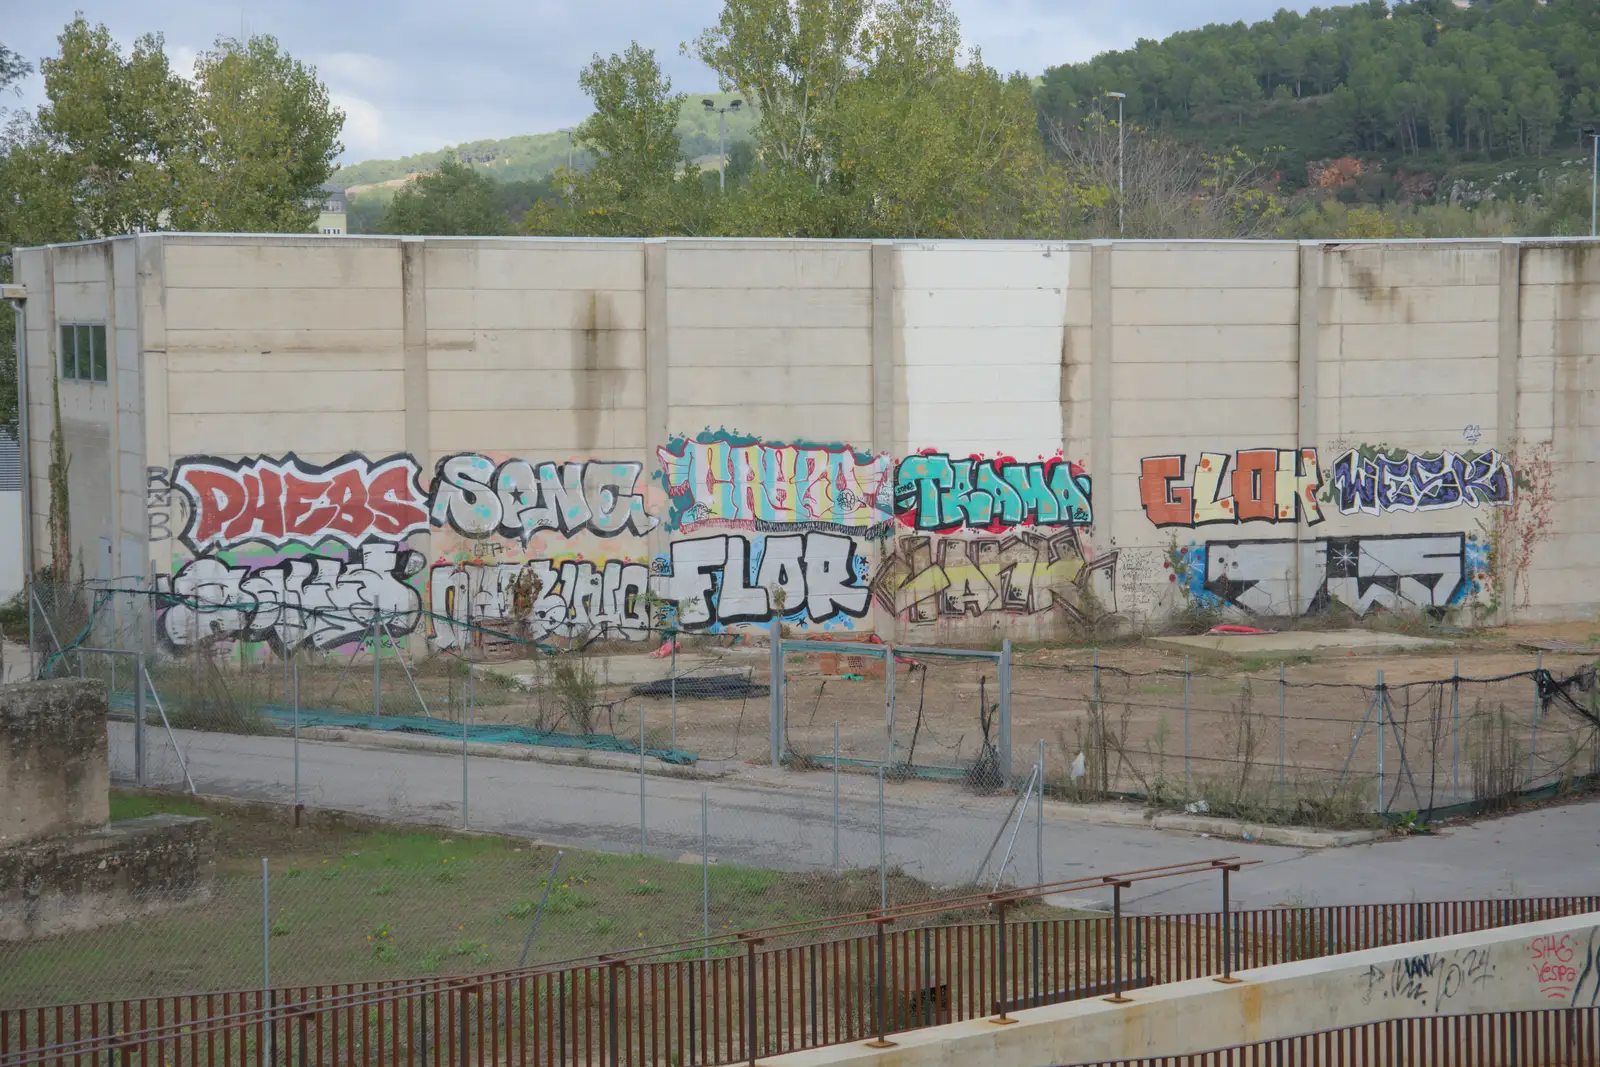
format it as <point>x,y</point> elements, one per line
<point>529,157</point>
<point>1425,85</point>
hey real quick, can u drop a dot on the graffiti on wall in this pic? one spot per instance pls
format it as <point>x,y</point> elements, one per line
<point>929,579</point>
<point>538,598</point>
<point>1406,572</point>
<point>811,577</point>
<point>516,499</point>
<point>280,502</point>
<point>1373,482</point>
<point>158,502</point>
<point>720,478</point>
<point>936,493</point>
<point>294,601</point>
<point>1253,485</point>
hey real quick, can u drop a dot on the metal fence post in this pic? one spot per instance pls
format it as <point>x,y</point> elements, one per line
<point>881,989</point>
<point>1188,789</point>
<point>888,699</point>
<point>1455,730</point>
<point>1001,971</point>
<point>1382,707</point>
<point>642,834</point>
<point>266,930</point>
<point>750,993</point>
<point>466,726</point>
<point>1282,728</point>
<point>1533,736</point>
<point>705,877</point>
<point>294,690</point>
<point>377,667</point>
<point>836,797</point>
<point>1039,844</point>
<point>1005,711</point>
<point>1117,887</point>
<point>775,725</point>
<point>139,770</point>
<point>1227,925</point>
<point>673,637</point>
<point>614,1039</point>
<point>883,851</point>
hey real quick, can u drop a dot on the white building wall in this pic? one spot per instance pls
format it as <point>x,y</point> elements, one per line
<point>747,422</point>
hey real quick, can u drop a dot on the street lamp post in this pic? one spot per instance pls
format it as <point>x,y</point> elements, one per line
<point>722,138</point>
<point>1119,98</point>
<point>1593,132</point>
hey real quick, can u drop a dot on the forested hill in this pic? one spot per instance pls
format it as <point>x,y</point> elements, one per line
<point>1499,79</point>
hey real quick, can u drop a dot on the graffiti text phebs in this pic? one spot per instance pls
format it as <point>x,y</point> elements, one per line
<point>516,499</point>
<point>563,598</point>
<point>319,602</point>
<point>935,492</point>
<point>1265,485</point>
<point>811,577</point>
<point>1379,484</point>
<point>721,478</point>
<point>284,501</point>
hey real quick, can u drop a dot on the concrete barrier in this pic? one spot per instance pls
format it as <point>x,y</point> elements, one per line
<point>1550,964</point>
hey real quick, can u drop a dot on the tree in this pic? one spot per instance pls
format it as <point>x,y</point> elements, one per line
<point>633,131</point>
<point>263,137</point>
<point>792,58</point>
<point>455,200</point>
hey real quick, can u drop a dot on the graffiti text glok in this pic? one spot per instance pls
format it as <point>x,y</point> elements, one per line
<point>283,501</point>
<point>722,479</point>
<point>935,492</point>
<point>1264,484</point>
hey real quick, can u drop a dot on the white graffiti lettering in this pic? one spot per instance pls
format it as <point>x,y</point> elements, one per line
<point>1291,578</point>
<point>316,601</point>
<point>538,598</point>
<point>710,579</point>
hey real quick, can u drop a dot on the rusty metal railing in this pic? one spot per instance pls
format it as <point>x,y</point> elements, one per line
<point>733,998</point>
<point>1548,1037</point>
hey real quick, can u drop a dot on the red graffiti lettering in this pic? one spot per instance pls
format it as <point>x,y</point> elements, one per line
<point>278,500</point>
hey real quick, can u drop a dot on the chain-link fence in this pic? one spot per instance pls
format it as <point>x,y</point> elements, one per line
<point>1297,743</point>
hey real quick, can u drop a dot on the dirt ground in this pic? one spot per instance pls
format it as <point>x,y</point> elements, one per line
<point>1442,742</point>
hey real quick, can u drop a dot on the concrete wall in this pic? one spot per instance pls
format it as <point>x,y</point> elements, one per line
<point>1518,968</point>
<point>942,441</point>
<point>11,568</point>
<point>54,778</point>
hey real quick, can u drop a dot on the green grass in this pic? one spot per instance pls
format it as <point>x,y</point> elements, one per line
<point>351,902</point>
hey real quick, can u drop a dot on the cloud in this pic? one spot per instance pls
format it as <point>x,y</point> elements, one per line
<point>364,126</point>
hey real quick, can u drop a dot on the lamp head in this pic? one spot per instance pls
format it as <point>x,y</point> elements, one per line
<point>708,105</point>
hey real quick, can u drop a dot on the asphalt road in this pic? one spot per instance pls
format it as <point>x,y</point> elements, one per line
<point>936,832</point>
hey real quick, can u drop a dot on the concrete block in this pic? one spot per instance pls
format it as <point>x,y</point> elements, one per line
<point>972,347</point>
<point>744,266</point>
<point>372,432</point>
<point>1562,264</point>
<point>740,386</point>
<point>570,265</point>
<point>266,392</point>
<point>54,778</point>
<point>1380,419</point>
<point>1421,303</point>
<point>796,346</point>
<point>940,385</point>
<point>1422,379</point>
<point>1232,265</point>
<point>1573,302</point>
<point>113,874</point>
<point>79,263</point>
<point>1204,344</point>
<point>1204,381</point>
<point>741,308</point>
<point>284,342</point>
<point>535,350</point>
<point>1432,340</point>
<point>553,309</point>
<point>546,433</point>
<point>986,307</point>
<point>293,309</point>
<point>1411,264</point>
<point>1226,417</point>
<point>195,362</point>
<point>1204,307</point>
<point>477,390</point>
<point>946,265</point>
<point>255,263</point>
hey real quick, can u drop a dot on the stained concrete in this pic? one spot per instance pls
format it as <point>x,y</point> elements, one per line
<point>1290,642</point>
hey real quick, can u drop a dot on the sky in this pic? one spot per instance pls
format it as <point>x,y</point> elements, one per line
<point>413,77</point>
